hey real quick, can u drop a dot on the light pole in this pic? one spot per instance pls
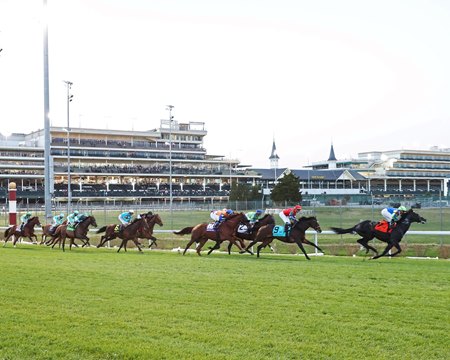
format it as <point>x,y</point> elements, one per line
<point>69,190</point>
<point>170,107</point>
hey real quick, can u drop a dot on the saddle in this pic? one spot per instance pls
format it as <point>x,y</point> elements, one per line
<point>72,227</point>
<point>383,226</point>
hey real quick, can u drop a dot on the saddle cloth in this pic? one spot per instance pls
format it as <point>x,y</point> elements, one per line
<point>278,230</point>
<point>242,229</point>
<point>71,227</point>
<point>210,227</point>
<point>383,226</point>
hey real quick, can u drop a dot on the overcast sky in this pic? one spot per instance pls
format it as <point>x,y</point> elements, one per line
<point>363,75</point>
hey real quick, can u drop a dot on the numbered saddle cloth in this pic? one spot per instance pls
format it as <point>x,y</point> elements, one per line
<point>211,227</point>
<point>117,229</point>
<point>242,229</point>
<point>71,227</point>
<point>278,230</point>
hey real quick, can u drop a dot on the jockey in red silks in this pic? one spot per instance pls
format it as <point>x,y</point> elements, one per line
<point>289,217</point>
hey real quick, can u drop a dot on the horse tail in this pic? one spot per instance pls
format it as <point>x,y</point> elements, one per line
<point>7,232</point>
<point>186,230</point>
<point>102,229</point>
<point>343,231</point>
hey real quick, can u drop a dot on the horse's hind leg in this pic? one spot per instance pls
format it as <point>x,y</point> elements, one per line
<point>189,244</point>
<point>365,243</point>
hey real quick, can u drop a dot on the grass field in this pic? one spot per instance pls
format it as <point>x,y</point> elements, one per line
<point>97,304</point>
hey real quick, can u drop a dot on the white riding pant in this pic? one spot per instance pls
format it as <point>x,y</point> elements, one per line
<point>387,215</point>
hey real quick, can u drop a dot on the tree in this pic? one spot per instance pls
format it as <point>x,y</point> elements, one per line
<point>244,192</point>
<point>287,189</point>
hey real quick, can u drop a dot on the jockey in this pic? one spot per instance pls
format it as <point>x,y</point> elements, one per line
<point>393,215</point>
<point>253,216</point>
<point>289,217</point>
<point>72,219</point>
<point>57,220</point>
<point>126,217</point>
<point>24,218</point>
<point>219,216</point>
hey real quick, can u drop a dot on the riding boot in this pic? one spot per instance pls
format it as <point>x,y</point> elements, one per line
<point>286,230</point>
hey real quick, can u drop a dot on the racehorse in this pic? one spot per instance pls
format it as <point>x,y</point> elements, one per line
<point>80,232</point>
<point>151,219</point>
<point>27,231</point>
<point>47,232</point>
<point>296,235</point>
<point>366,229</point>
<point>226,231</point>
<point>130,232</point>
<point>248,233</point>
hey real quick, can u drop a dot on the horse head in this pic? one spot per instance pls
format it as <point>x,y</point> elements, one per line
<point>158,220</point>
<point>34,221</point>
<point>93,222</point>
<point>311,222</point>
<point>413,217</point>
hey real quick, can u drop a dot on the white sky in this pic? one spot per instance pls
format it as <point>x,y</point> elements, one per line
<point>365,75</point>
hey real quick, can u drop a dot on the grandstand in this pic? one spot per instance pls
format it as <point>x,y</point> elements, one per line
<point>131,165</point>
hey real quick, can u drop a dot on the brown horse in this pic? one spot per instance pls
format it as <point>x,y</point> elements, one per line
<point>27,231</point>
<point>80,232</point>
<point>226,231</point>
<point>151,219</point>
<point>247,233</point>
<point>48,231</point>
<point>296,235</point>
<point>130,232</point>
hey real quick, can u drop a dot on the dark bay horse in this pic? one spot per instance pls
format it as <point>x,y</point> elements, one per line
<point>226,231</point>
<point>296,236</point>
<point>80,232</point>
<point>28,231</point>
<point>130,232</point>
<point>249,234</point>
<point>366,229</point>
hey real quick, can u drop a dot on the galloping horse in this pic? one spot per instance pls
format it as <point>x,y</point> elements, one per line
<point>130,232</point>
<point>46,232</point>
<point>80,232</point>
<point>226,231</point>
<point>248,234</point>
<point>151,219</point>
<point>297,235</point>
<point>27,231</point>
<point>366,229</point>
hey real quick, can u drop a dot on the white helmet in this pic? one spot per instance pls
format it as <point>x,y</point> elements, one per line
<point>131,211</point>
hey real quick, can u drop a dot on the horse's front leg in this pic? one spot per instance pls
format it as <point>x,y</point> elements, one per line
<point>153,239</point>
<point>300,245</point>
<point>386,250</point>
<point>306,241</point>
<point>399,249</point>
<point>247,249</point>
<point>136,242</point>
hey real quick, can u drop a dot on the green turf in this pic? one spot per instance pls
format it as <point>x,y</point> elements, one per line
<point>97,304</point>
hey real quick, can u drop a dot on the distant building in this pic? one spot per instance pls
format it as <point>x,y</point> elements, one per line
<point>396,172</point>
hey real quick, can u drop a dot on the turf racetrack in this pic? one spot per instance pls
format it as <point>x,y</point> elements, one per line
<point>97,304</point>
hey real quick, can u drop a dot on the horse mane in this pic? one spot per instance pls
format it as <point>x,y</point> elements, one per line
<point>305,218</point>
